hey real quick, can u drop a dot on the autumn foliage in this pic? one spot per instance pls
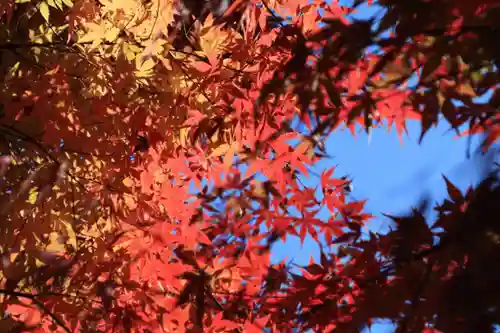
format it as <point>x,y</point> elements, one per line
<point>152,151</point>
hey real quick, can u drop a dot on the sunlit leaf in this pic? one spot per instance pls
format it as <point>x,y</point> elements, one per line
<point>44,10</point>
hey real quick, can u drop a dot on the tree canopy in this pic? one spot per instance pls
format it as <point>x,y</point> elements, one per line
<point>152,151</point>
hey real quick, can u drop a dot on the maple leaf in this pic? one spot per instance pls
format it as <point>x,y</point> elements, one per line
<point>256,325</point>
<point>163,17</point>
<point>152,157</point>
<point>218,323</point>
<point>213,40</point>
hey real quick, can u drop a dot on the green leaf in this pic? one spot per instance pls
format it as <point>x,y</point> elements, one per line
<point>476,76</point>
<point>44,10</point>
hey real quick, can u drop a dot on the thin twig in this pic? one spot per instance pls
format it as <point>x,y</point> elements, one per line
<point>38,303</point>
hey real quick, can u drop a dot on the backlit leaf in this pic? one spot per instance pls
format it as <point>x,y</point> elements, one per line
<point>220,150</point>
<point>44,10</point>
<point>33,195</point>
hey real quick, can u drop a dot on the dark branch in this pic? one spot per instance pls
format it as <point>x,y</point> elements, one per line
<point>38,303</point>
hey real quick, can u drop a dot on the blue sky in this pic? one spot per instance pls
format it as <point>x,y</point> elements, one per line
<point>392,176</point>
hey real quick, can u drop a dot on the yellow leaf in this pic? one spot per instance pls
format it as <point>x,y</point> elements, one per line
<point>303,147</point>
<point>221,150</point>
<point>228,158</point>
<point>259,191</point>
<point>39,263</point>
<point>154,48</point>
<point>183,136</point>
<point>128,182</point>
<point>44,10</point>
<point>12,71</point>
<point>71,234</point>
<point>215,136</point>
<point>134,48</point>
<point>33,195</point>
<point>130,202</point>
<point>55,246</point>
<point>13,256</point>
<point>213,40</point>
<point>466,89</point>
<point>181,56</point>
<point>112,34</point>
<point>131,51</point>
<point>57,4</point>
<point>166,62</point>
<point>166,11</point>
<point>146,65</point>
<point>144,68</point>
<point>95,33</point>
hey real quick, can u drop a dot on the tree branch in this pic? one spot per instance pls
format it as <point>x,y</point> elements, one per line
<point>38,303</point>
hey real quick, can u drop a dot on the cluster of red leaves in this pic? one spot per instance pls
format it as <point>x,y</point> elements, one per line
<point>152,165</point>
<point>431,58</point>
